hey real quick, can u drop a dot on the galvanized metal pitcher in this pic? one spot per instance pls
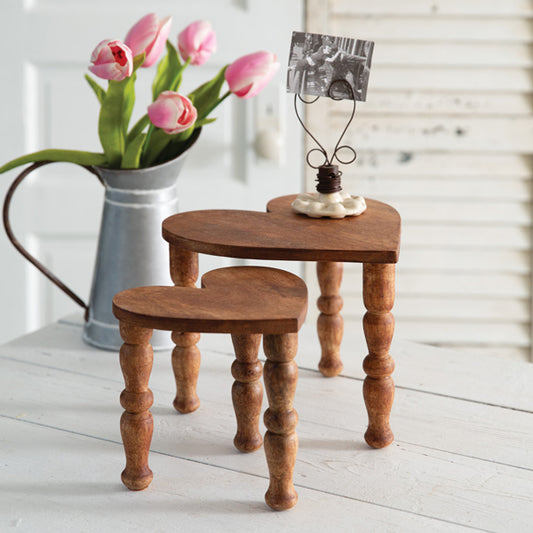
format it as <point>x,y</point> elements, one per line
<point>131,251</point>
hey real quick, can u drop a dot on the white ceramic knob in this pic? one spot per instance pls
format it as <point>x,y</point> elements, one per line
<point>267,145</point>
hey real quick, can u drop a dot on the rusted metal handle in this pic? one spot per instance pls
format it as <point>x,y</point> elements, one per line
<point>7,225</point>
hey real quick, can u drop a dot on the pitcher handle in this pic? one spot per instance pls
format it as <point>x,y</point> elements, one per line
<point>7,225</point>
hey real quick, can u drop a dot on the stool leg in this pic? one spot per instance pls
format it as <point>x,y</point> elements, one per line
<point>330,324</point>
<point>136,424</point>
<point>186,366</point>
<point>281,441</point>
<point>186,355</point>
<point>378,325</point>
<point>247,391</point>
<point>183,267</point>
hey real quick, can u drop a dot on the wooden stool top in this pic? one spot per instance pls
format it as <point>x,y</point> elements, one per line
<point>232,300</point>
<point>373,237</point>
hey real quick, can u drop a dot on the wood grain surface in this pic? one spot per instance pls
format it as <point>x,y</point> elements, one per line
<point>373,237</point>
<point>232,300</point>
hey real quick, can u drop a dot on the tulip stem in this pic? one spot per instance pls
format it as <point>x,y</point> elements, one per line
<point>217,103</point>
<point>223,98</point>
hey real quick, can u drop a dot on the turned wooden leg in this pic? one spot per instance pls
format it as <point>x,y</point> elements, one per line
<point>330,324</point>
<point>281,441</point>
<point>378,325</point>
<point>247,391</point>
<point>136,424</point>
<point>183,267</point>
<point>186,366</point>
<point>186,355</point>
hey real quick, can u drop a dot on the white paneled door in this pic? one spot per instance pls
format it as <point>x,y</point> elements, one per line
<point>46,103</point>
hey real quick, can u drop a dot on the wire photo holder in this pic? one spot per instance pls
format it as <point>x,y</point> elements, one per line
<point>338,68</point>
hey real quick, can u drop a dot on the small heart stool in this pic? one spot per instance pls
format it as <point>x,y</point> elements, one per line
<point>247,302</point>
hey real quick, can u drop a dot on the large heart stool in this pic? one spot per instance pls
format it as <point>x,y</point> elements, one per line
<point>246,302</point>
<point>372,239</point>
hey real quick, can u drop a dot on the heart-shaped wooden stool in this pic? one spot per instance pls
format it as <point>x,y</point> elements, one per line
<point>372,238</point>
<point>246,302</point>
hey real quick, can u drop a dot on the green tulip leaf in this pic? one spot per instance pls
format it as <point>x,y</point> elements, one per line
<point>115,114</point>
<point>98,91</point>
<point>203,122</point>
<point>132,155</point>
<point>138,61</point>
<point>129,91</point>
<point>66,156</point>
<point>168,76</point>
<point>110,128</point>
<point>155,144</point>
<point>138,128</point>
<point>129,102</point>
<point>206,97</point>
<point>177,144</point>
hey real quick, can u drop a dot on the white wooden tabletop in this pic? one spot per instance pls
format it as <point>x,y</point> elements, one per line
<point>462,458</point>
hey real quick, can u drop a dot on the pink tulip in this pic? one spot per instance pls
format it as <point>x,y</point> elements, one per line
<point>172,112</point>
<point>112,60</point>
<point>197,42</point>
<point>248,75</point>
<point>149,35</point>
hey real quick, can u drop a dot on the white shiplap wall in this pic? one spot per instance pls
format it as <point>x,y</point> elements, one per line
<point>446,136</point>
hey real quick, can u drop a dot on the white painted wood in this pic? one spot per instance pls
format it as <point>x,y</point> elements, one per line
<point>12,136</point>
<point>514,353</point>
<point>475,332</point>
<point>407,163</point>
<point>475,55</point>
<point>462,210</point>
<point>432,7</point>
<point>452,79</point>
<point>450,133</point>
<point>47,104</point>
<point>69,493</point>
<point>387,27</point>
<point>461,459</point>
<point>466,260</point>
<point>446,138</point>
<point>434,188</point>
<point>445,102</point>
<point>470,236</point>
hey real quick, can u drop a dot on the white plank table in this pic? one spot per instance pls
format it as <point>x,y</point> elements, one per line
<point>462,458</point>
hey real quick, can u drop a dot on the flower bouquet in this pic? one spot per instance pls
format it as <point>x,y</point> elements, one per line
<point>166,130</point>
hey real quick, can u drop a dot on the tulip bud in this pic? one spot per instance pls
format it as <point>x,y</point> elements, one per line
<point>112,60</point>
<point>172,112</point>
<point>149,35</point>
<point>197,42</point>
<point>248,75</point>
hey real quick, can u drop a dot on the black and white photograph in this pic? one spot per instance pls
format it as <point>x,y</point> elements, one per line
<point>317,62</point>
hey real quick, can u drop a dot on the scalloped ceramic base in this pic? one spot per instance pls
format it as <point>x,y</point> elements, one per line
<point>334,205</point>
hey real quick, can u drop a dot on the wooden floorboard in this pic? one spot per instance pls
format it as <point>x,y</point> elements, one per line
<point>459,461</point>
<point>78,495</point>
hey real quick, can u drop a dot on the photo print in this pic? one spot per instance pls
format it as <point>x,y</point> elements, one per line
<point>316,61</point>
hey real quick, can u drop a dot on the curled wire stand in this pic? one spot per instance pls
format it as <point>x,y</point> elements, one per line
<point>330,201</point>
<point>328,161</point>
